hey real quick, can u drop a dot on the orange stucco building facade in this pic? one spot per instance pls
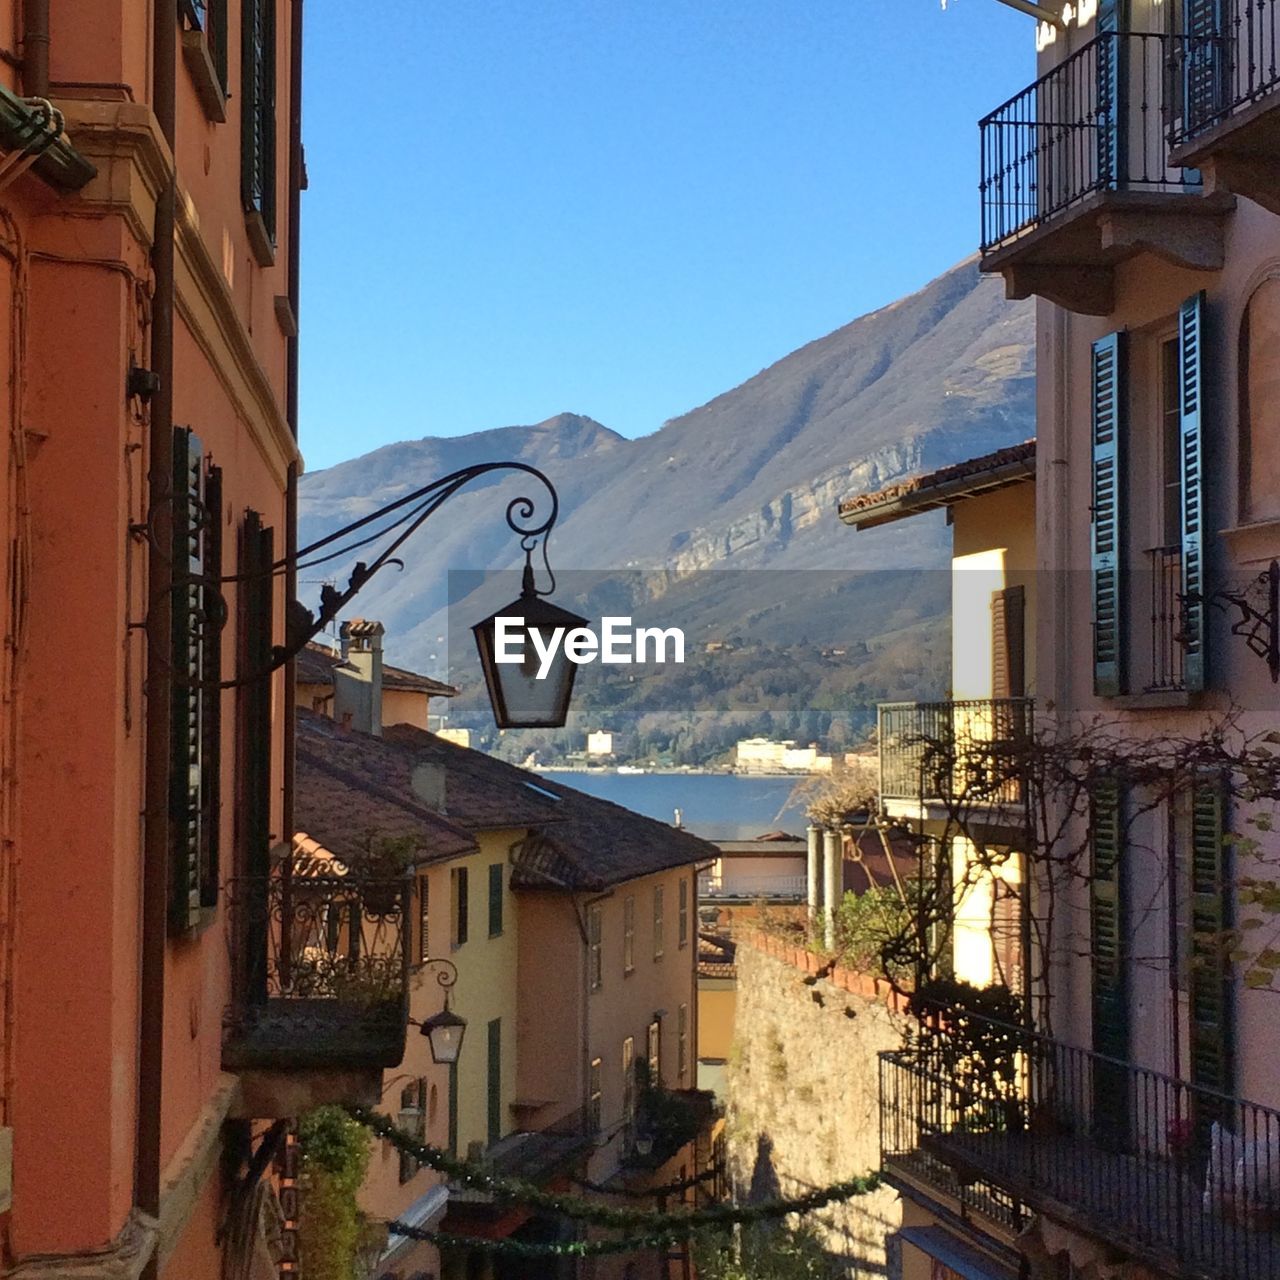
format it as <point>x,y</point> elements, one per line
<point>117,972</point>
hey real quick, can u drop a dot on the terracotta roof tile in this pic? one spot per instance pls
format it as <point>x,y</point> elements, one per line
<point>1014,465</point>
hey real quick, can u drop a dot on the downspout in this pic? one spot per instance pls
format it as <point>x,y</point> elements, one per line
<point>155,840</point>
<point>35,48</point>
<point>291,395</point>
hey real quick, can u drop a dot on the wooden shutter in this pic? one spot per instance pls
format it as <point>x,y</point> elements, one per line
<point>1110,995</point>
<point>187,737</point>
<point>1008,643</point>
<point>1205,64</point>
<point>256,597</point>
<point>1108,527</point>
<point>1212,1026</point>
<point>495,899</point>
<point>1190,413</point>
<point>213,617</point>
<point>258,111</point>
<point>494,1082</point>
<point>1110,88</point>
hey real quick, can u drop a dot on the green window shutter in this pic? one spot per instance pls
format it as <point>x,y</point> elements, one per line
<point>1190,413</point>
<point>213,610</point>
<point>1111,87</point>
<point>1212,1027</point>
<point>494,1108</point>
<point>1205,63</point>
<point>1107,526</point>
<point>453,1109</point>
<point>258,111</point>
<point>1110,993</point>
<point>187,741</point>
<point>462,886</point>
<point>495,899</point>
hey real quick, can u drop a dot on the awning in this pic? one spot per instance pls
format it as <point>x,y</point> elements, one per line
<point>961,1259</point>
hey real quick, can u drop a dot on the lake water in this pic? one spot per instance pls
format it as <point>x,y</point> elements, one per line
<point>715,805</point>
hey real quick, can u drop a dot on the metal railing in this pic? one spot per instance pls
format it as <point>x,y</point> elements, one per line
<point>732,884</point>
<point>1101,120</point>
<point>1231,70</point>
<point>1179,1175</point>
<point>971,748</point>
<point>319,968</point>
<point>1168,620</point>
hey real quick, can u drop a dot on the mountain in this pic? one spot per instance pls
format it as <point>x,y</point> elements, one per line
<point>749,480</point>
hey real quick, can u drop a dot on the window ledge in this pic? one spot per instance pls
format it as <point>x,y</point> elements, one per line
<point>1254,543</point>
<point>195,53</point>
<point>1158,699</point>
<point>260,241</point>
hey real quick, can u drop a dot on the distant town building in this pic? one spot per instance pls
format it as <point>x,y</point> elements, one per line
<point>599,743</point>
<point>765,755</point>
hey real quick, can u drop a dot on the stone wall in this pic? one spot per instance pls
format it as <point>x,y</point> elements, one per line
<point>803,1108</point>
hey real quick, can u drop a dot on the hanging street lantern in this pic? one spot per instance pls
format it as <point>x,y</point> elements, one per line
<point>526,691</point>
<point>444,1032</point>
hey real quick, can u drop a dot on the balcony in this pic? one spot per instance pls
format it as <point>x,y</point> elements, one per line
<point>729,883</point>
<point>1013,1124</point>
<point>1166,671</point>
<point>319,984</point>
<point>1076,175</point>
<point>1230,129</point>
<point>969,753</point>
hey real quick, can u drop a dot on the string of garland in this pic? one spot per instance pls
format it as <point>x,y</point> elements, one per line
<point>532,1196</point>
<point>652,1193</point>
<point>540,1249</point>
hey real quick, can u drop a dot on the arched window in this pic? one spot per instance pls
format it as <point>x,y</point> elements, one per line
<point>1260,405</point>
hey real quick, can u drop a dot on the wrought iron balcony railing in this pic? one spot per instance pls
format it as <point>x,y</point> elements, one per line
<point>319,969</point>
<point>1168,620</point>
<point>1101,120</point>
<point>1010,1122</point>
<point>1228,71</point>
<point>972,749</point>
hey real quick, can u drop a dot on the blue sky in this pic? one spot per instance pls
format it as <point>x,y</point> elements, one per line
<point>620,207</point>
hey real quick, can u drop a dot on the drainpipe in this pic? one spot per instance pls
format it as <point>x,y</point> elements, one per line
<point>35,48</point>
<point>813,869</point>
<point>155,839</point>
<point>291,391</point>
<point>833,881</point>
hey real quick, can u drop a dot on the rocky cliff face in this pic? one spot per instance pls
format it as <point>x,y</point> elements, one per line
<point>749,480</point>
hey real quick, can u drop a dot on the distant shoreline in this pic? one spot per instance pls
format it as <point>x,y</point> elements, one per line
<point>696,771</point>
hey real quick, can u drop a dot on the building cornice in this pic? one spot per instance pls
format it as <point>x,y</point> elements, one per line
<point>132,159</point>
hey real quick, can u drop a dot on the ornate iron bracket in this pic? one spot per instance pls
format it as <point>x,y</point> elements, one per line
<point>1258,606</point>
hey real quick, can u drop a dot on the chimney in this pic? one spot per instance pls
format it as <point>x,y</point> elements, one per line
<point>428,783</point>
<point>358,683</point>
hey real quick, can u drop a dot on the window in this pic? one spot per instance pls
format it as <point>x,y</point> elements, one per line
<point>258,126</point>
<point>495,899</point>
<point>1170,445</point>
<point>595,965</point>
<point>204,50</point>
<point>453,1109</point>
<point>657,922</point>
<point>412,1120</point>
<point>195,700</point>
<point>493,1106</point>
<point>683,920</point>
<point>655,1052</point>
<point>253,728</point>
<point>1260,406</point>
<point>594,1095</point>
<point>682,1044</point>
<point>628,1085</point>
<point>628,933</point>
<point>424,932</point>
<point>458,885</point>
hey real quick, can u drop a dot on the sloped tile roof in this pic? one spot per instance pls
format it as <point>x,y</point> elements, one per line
<point>940,488</point>
<point>317,663</point>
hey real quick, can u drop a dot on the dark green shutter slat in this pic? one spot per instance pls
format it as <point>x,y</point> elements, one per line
<point>211,694</point>
<point>495,1082</point>
<point>1107,525</point>
<point>1212,1026</point>
<point>258,111</point>
<point>1205,63</point>
<point>186,730</point>
<point>1111,96</point>
<point>1110,994</point>
<point>495,899</point>
<point>1191,413</point>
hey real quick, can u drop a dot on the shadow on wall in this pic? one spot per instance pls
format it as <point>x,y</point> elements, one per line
<point>764,1177</point>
